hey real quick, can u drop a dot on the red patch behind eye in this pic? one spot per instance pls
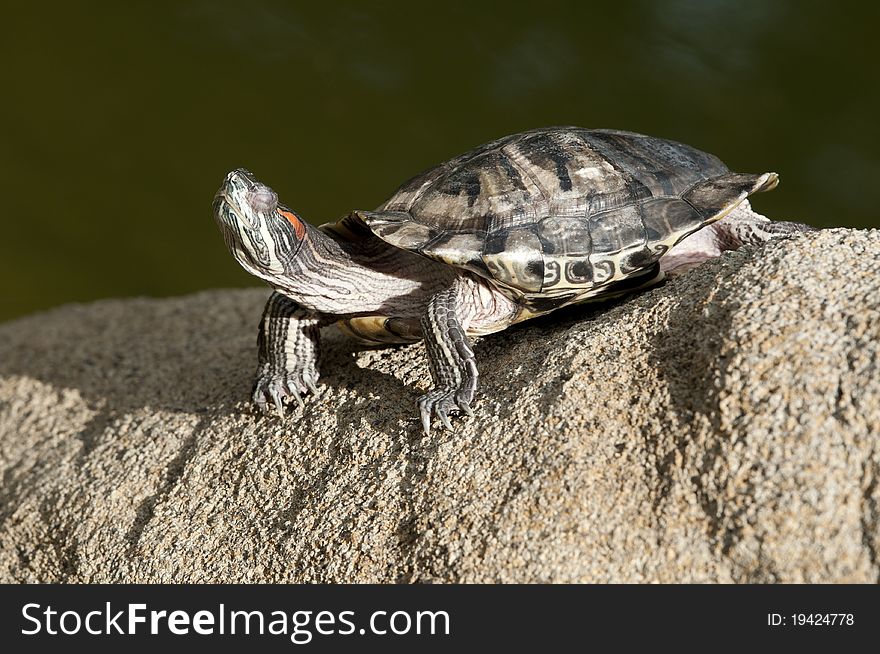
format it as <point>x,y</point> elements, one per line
<point>298,227</point>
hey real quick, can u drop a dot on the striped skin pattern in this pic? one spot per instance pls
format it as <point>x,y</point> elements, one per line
<point>511,230</point>
<point>345,274</point>
<point>288,346</point>
<point>265,248</point>
<point>322,272</point>
<point>451,358</point>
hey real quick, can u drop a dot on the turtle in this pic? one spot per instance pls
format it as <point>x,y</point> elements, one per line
<point>513,229</point>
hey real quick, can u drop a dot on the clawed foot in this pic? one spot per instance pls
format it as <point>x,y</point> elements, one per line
<point>276,387</point>
<point>440,402</point>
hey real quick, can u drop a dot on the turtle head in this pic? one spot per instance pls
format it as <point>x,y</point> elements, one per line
<point>263,235</point>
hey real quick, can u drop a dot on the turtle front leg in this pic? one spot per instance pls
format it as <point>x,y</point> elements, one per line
<point>289,344</point>
<point>450,356</point>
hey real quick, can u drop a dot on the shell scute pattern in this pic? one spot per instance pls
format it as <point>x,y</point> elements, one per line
<point>665,217</point>
<point>664,168</point>
<point>716,195</point>
<point>469,196</point>
<point>567,235</point>
<point>563,210</point>
<point>513,255</point>
<point>568,171</point>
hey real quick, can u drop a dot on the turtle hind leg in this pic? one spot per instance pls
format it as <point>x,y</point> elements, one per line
<point>450,356</point>
<point>289,345</point>
<point>744,226</point>
<point>760,232</point>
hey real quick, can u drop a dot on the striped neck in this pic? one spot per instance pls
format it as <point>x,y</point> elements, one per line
<point>341,276</point>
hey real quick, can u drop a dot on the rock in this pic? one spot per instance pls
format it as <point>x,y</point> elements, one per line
<point>723,427</point>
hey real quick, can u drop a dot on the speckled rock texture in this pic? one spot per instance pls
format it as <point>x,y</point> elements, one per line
<point>721,428</point>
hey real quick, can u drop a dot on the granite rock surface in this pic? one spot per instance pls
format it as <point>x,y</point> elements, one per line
<point>724,427</point>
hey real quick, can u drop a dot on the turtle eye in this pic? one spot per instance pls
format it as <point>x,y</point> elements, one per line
<point>262,199</point>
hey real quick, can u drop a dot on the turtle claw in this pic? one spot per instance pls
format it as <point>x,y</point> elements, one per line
<point>273,390</point>
<point>276,400</point>
<point>444,419</point>
<point>438,403</point>
<point>465,407</point>
<point>309,381</point>
<point>293,391</point>
<point>426,421</point>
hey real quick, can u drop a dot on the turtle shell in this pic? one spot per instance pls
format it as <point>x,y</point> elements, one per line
<point>563,209</point>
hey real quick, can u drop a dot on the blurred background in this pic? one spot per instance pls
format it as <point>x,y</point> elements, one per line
<point>119,120</point>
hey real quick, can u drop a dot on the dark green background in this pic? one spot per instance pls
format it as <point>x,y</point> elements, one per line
<point>120,120</point>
